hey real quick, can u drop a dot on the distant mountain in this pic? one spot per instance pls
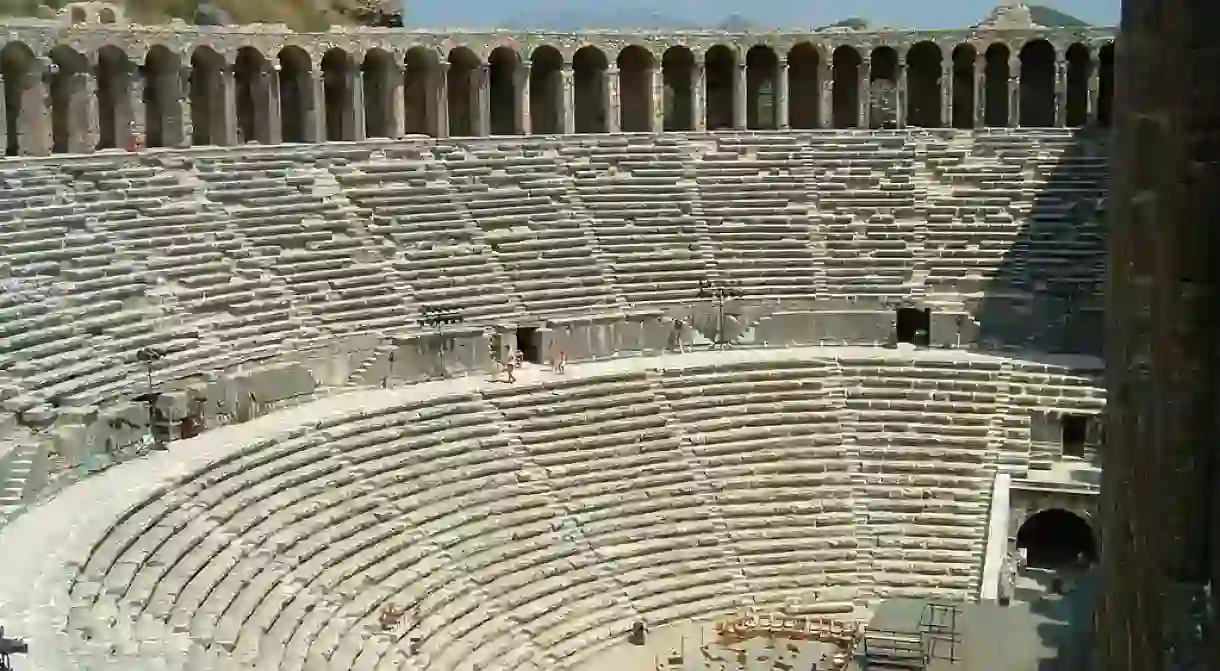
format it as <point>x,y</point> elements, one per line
<point>854,23</point>
<point>1053,18</point>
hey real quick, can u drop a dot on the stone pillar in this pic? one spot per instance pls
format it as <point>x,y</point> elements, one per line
<point>657,99</point>
<point>1014,93</point>
<point>357,129</point>
<point>782,121</point>
<point>481,90</point>
<point>226,121</point>
<point>613,100</point>
<point>315,118</point>
<point>270,80</point>
<point>826,96</point>
<point>180,132</point>
<point>568,100</point>
<point>398,101</point>
<point>3,118</point>
<point>83,119</point>
<point>1094,86</point>
<point>946,93</point>
<point>1060,91</point>
<point>1160,496</point>
<point>741,97</point>
<point>442,100</point>
<point>521,124</point>
<point>980,92</point>
<point>901,95</point>
<point>136,113</point>
<point>865,87</point>
<point>698,95</point>
<point>34,122</point>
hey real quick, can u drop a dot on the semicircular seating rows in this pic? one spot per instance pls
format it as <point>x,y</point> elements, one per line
<point>222,256</point>
<point>529,527</point>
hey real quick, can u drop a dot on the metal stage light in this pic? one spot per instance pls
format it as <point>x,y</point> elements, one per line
<point>719,291</point>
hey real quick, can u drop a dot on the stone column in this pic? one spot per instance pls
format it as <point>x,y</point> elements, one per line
<point>901,94</point>
<point>315,118</point>
<point>3,118</point>
<point>946,93</point>
<point>1014,93</point>
<point>226,120</point>
<point>271,90</point>
<point>398,100</point>
<point>865,87</point>
<point>522,122</point>
<point>657,99</point>
<point>980,91</point>
<point>698,97</point>
<point>33,122</point>
<point>135,112</point>
<point>568,100</point>
<point>356,129</point>
<point>1094,86</point>
<point>481,89</point>
<point>179,129</point>
<point>613,102</point>
<point>442,100</point>
<point>1060,91</point>
<point>826,97</point>
<point>741,97</point>
<point>782,121</point>
<point>86,121</point>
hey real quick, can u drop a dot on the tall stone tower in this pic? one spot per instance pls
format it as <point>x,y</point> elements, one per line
<point>1160,499</point>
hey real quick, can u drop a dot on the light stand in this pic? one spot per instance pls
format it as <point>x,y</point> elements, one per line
<point>149,356</point>
<point>438,316</point>
<point>719,292</point>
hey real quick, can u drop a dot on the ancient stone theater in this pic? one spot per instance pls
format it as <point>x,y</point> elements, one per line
<point>614,351</point>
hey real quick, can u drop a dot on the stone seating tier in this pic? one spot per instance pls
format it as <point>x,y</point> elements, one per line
<point>530,526</point>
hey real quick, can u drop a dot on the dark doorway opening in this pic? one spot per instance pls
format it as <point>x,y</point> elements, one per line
<point>913,326</point>
<point>1056,539</point>
<point>1074,432</point>
<point>528,345</point>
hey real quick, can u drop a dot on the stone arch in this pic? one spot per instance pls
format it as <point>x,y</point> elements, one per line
<point>1037,85</point>
<point>378,71</point>
<point>804,87</point>
<point>546,91</point>
<point>462,91</point>
<point>164,87</point>
<point>207,97</point>
<point>964,96</point>
<point>503,66</point>
<point>589,67</point>
<point>115,74</point>
<point>421,92</point>
<point>677,76</point>
<point>635,66</point>
<point>720,72</point>
<point>78,14</point>
<point>1056,538</point>
<point>762,73</point>
<point>106,15</point>
<point>298,116</point>
<point>846,92</point>
<point>21,70</point>
<point>883,99</point>
<point>339,110</point>
<point>1105,85</point>
<point>1079,69</point>
<point>69,95</point>
<point>995,85</point>
<point>923,85</point>
<point>252,89</point>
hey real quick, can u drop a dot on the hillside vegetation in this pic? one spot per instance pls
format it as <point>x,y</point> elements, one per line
<point>1053,18</point>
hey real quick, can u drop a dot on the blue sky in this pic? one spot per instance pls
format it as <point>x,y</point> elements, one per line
<point>788,13</point>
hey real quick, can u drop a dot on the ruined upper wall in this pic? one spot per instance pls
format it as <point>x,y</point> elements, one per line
<point>135,40</point>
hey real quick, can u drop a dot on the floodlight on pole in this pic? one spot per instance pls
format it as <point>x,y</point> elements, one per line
<point>149,356</point>
<point>438,316</point>
<point>719,291</point>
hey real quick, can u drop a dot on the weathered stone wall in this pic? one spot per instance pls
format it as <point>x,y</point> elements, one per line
<point>77,88</point>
